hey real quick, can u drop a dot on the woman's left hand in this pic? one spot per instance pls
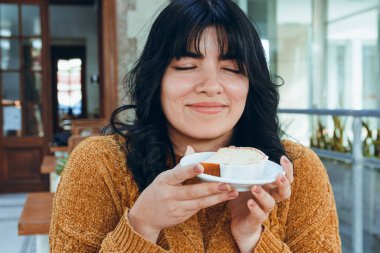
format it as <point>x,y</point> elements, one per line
<point>251,209</point>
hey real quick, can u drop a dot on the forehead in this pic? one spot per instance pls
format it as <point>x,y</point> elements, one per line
<point>209,41</point>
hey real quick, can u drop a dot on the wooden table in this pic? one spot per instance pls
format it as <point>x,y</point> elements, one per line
<point>48,164</point>
<point>36,214</point>
<point>35,219</point>
<point>63,149</point>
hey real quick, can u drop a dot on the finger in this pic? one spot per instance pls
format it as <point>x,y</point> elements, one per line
<point>288,167</point>
<point>205,202</point>
<point>179,174</point>
<point>189,150</point>
<point>258,216</point>
<point>196,191</point>
<point>283,190</point>
<point>270,187</point>
<point>264,199</point>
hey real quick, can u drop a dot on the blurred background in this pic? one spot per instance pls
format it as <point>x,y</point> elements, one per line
<point>62,64</point>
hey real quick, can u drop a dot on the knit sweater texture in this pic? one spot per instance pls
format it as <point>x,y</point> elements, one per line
<point>96,191</point>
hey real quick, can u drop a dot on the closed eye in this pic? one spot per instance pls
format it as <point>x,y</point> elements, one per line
<point>236,71</point>
<point>184,68</point>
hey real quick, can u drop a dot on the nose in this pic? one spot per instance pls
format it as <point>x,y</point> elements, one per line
<point>209,84</point>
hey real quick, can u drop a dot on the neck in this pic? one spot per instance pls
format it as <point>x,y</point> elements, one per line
<point>181,141</point>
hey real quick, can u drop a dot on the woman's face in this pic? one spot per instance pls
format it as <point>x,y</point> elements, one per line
<point>203,97</point>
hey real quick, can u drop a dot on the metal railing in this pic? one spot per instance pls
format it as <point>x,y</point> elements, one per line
<point>356,157</point>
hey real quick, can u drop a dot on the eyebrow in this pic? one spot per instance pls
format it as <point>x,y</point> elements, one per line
<point>200,56</point>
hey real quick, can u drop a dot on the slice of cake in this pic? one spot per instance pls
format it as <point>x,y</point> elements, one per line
<point>232,156</point>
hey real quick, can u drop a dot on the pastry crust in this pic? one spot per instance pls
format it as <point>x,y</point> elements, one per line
<point>211,168</point>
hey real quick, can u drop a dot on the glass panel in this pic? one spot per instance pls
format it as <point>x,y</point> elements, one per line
<point>10,83</point>
<point>33,85</point>
<point>9,54</point>
<point>31,22</point>
<point>286,38</point>
<point>8,20</point>
<point>32,54</point>
<point>343,8</point>
<point>352,60</point>
<point>33,120</point>
<point>12,121</point>
<point>371,91</point>
<point>291,48</point>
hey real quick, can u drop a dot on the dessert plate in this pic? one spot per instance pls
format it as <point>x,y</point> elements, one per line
<point>271,170</point>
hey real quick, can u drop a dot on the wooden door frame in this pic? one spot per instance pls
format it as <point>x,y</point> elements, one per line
<point>108,64</point>
<point>108,60</point>
<point>66,52</point>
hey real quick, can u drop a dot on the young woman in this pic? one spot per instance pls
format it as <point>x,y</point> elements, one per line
<point>201,83</point>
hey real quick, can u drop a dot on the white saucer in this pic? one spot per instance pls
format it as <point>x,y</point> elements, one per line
<point>271,170</point>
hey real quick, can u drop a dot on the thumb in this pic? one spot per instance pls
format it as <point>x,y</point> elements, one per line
<point>189,150</point>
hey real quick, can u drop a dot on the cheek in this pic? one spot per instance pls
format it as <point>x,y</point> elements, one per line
<point>172,92</point>
<point>238,96</point>
<point>238,93</point>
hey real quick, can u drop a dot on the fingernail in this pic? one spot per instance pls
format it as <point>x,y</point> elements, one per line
<point>223,187</point>
<point>283,179</point>
<point>257,189</point>
<point>232,194</point>
<point>197,169</point>
<point>286,160</point>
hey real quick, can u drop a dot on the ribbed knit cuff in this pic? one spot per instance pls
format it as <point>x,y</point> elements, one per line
<point>268,243</point>
<point>125,238</point>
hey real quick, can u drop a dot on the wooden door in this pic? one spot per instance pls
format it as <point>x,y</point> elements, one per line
<point>24,92</point>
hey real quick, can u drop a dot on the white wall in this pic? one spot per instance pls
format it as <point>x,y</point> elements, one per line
<point>134,19</point>
<point>141,19</point>
<point>79,23</point>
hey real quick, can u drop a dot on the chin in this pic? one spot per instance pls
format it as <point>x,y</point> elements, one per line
<point>208,132</point>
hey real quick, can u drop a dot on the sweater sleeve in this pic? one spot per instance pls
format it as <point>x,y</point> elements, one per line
<point>312,222</point>
<point>87,210</point>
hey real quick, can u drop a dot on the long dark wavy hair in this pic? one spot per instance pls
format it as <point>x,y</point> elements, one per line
<point>177,29</point>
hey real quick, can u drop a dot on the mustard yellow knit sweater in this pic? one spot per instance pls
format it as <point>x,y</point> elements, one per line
<point>96,191</point>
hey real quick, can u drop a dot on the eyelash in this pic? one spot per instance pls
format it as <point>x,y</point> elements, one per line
<point>236,71</point>
<point>183,68</point>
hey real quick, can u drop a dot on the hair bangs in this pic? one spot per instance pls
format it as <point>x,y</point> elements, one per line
<point>188,41</point>
<point>231,46</point>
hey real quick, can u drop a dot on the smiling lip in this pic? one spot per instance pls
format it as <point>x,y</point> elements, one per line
<point>207,107</point>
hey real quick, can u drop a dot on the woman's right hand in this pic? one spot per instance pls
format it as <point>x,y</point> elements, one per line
<point>166,202</point>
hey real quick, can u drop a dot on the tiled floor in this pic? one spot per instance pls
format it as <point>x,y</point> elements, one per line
<point>10,211</point>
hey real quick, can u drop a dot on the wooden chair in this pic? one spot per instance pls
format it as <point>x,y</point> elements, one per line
<point>48,165</point>
<point>58,149</point>
<point>74,140</point>
<point>92,126</point>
